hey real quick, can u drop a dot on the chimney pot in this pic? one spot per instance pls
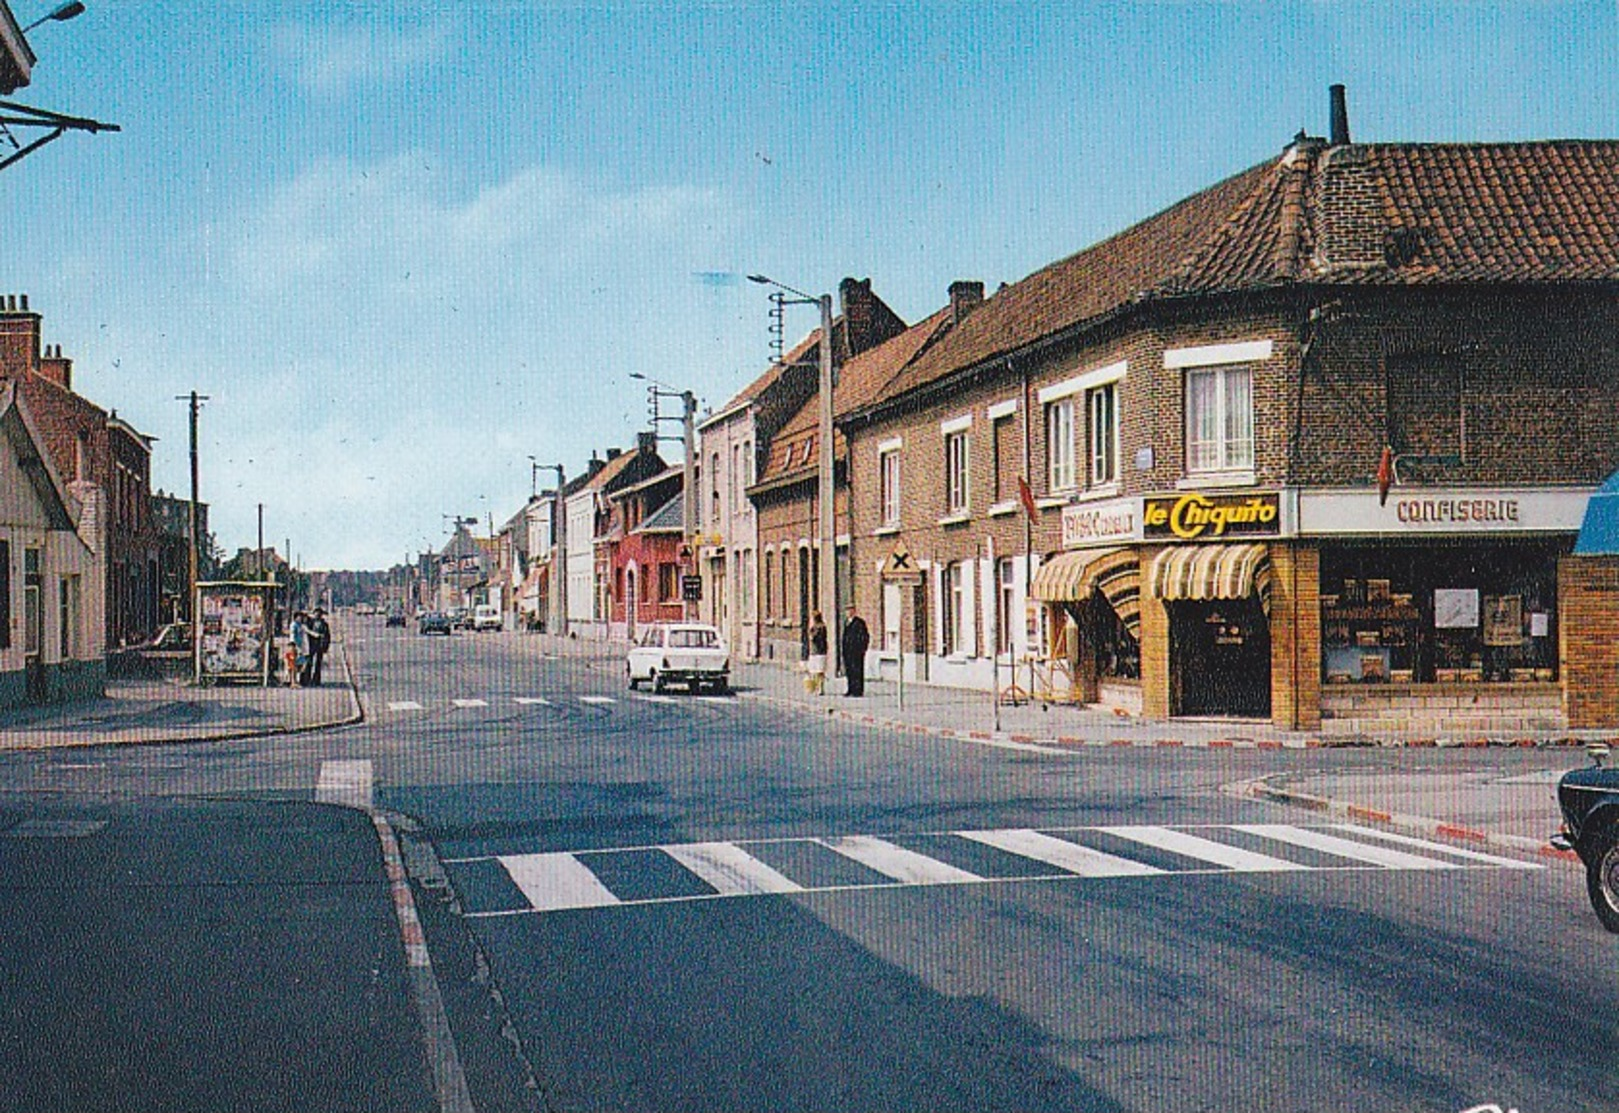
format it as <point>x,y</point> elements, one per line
<point>1338,135</point>
<point>25,303</point>
<point>964,298</point>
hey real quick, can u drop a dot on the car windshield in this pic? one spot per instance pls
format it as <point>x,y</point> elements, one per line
<point>693,639</point>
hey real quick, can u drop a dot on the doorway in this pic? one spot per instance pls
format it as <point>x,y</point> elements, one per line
<point>1220,658</point>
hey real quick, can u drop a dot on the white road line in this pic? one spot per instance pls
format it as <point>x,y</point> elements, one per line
<point>1206,850</point>
<point>897,862</point>
<point>532,701</point>
<point>1061,853</point>
<point>597,699</point>
<point>717,699</point>
<point>1343,848</point>
<point>344,782</point>
<point>404,705</point>
<point>1440,848</point>
<point>730,869</point>
<point>555,881</point>
<point>470,702</point>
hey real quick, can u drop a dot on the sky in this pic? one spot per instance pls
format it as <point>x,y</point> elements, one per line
<point>403,248</point>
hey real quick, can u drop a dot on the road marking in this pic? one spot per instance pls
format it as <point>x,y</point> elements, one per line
<point>717,699</point>
<point>1065,855</point>
<point>53,829</point>
<point>344,782</point>
<point>470,702</point>
<point>597,699</point>
<point>1344,848</point>
<point>532,701</point>
<point>655,699</point>
<point>730,869</point>
<point>897,862</point>
<point>556,881</point>
<point>1441,848</point>
<point>404,705</point>
<point>1193,846</point>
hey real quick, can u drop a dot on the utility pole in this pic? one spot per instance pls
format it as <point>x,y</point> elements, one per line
<point>195,400</point>
<point>828,587</point>
<point>688,506</point>
<point>258,554</point>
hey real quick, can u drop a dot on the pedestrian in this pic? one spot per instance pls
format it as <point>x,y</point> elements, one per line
<point>856,640</point>
<point>815,666</point>
<point>320,640</point>
<point>297,649</point>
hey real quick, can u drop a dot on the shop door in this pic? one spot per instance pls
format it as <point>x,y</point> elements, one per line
<point>1221,658</point>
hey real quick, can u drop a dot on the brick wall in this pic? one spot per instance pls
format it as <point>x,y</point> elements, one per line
<point>1588,639</point>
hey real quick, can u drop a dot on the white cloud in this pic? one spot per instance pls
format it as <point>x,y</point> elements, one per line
<point>333,61</point>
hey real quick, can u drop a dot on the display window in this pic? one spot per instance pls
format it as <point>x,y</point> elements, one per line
<point>1462,613</point>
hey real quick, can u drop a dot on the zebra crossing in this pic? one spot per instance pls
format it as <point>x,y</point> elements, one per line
<point>473,703</point>
<point>556,881</point>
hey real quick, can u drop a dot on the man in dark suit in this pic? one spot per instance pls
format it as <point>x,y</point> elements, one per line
<point>320,639</point>
<point>856,640</point>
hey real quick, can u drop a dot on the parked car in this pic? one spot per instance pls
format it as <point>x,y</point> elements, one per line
<point>1589,801</point>
<point>396,615</point>
<point>433,622</point>
<point>486,616</point>
<point>460,618</point>
<point>679,653</point>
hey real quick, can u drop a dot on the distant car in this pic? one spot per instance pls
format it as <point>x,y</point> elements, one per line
<point>1589,801</point>
<point>459,617</point>
<point>433,622</point>
<point>396,615</point>
<point>679,653</point>
<point>486,616</point>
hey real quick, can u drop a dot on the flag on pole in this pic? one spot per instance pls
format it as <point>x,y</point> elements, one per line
<point>1385,475</point>
<point>1027,497</point>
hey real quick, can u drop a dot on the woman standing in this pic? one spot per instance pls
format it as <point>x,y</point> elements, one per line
<point>815,667</point>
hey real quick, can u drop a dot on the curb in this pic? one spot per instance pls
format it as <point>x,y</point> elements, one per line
<point>1060,743</point>
<point>1261,789</point>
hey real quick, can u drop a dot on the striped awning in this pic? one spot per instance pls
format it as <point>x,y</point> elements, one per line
<point>1212,572</point>
<point>1073,577</point>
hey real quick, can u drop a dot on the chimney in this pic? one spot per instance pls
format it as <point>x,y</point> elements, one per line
<point>964,298</point>
<point>1338,131</point>
<point>646,443</point>
<point>55,368</point>
<point>19,339</point>
<point>859,315</point>
<point>613,454</point>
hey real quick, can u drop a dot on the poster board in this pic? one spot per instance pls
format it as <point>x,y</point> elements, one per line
<point>235,634</point>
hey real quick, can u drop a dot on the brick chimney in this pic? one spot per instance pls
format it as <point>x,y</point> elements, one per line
<point>867,321</point>
<point>55,367</point>
<point>19,337</point>
<point>613,454</point>
<point>646,443</point>
<point>964,298</point>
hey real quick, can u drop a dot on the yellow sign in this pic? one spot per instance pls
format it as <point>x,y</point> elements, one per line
<point>901,567</point>
<point>1195,516</point>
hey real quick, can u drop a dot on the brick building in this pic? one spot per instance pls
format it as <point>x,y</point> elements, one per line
<point>646,539</point>
<point>1201,406</point>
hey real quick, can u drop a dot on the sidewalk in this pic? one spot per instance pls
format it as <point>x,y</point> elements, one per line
<point>136,711</point>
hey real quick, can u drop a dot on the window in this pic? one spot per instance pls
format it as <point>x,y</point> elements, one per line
<point>68,614</point>
<point>1005,606</point>
<point>767,595</point>
<point>668,583</point>
<point>955,472</point>
<point>954,610</point>
<point>1104,436</point>
<point>1060,445</point>
<point>736,478</point>
<point>33,605</point>
<point>745,588</point>
<point>1219,419</point>
<point>5,595</point>
<point>714,487</point>
<point>888,464</point>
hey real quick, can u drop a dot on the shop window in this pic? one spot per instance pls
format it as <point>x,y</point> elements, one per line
<point>1219,419</point>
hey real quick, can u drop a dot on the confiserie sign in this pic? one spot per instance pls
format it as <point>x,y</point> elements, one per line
<point>1199,517</point>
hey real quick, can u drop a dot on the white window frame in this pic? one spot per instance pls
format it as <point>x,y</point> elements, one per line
<point>888,468</point>
<point>1229,447</point>
<point>1060,445</point>
<point>957,471</point>
<point>1104,462</point>
<point>1006,593</point>
<point>952,595</point>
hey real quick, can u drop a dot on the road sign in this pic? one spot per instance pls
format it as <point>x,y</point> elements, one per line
<point>691,589</point>
<point>901,567</point>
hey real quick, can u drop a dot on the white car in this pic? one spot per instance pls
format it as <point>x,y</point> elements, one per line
<point>680,653</point>
<point>486,616</point>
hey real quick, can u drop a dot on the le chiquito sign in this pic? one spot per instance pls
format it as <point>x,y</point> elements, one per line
<point>1199,517</point>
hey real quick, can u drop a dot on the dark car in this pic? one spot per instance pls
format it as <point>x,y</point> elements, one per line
<point>433,622</point>
<point>1589,801</point>
<point>396,615</point>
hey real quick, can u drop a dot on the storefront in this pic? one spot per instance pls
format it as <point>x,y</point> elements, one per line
<point>1217,601</point>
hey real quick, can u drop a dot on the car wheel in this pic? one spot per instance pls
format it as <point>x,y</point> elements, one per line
<point>1602,878</point>
<point>657,681</point>
<point>630,676</point>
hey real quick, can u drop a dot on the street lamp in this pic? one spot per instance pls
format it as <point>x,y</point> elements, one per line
<point>559,534</point>
<point>827,585</point>
<point>59,14</point>
<point>688,479</point>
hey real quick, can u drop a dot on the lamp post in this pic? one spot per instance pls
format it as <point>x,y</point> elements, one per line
<point>688,479</point>
<point>559,566</point>
<point>59,14</point>
<point>827,582</point>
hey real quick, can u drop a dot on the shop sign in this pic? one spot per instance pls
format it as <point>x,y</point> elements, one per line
<point>1199,517</point>
<point>1442,511</point>
<point>1100,523</point>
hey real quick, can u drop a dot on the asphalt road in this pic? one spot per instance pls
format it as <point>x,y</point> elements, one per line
<point>716,904</point>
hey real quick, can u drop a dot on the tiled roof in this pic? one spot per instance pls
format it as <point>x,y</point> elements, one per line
<point>668,518</point>
<point>1390,214</point>
<point>860,381</point>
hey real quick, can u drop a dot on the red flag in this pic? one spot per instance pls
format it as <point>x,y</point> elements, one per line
<point>1027,496</point>
<point>1385,475</point>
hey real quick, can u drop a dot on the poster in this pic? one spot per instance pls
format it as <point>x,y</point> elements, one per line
<point>1503,620</point>
<point>1455,608</point>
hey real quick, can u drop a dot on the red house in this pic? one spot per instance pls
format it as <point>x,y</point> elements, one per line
<point>646,539</point>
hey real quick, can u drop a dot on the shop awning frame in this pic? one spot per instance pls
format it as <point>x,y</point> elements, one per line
<point>1209,572</point>
<point>1076,575</point>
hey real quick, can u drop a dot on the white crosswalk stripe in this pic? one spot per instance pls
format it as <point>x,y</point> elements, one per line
<point>597,699</point>
<point>344,782</point>
<point>531,701</point>
<point>553,881</point>
<point>466,703</point>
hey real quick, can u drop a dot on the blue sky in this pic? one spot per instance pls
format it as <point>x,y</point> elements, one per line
<point>402,247</point>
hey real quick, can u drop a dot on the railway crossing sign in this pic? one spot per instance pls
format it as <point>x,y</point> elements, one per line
<point>901,567</point>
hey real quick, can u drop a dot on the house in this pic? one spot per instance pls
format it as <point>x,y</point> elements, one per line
<point>590,532</point>
<point>1310,446</point>
<point>51,627</point>
<point>647,537</point>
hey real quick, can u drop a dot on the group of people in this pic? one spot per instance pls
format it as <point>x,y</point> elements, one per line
<point>853,645</point>
<point>308,639</point>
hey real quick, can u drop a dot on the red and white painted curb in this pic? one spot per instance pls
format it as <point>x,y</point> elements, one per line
<point>1261,789</point>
